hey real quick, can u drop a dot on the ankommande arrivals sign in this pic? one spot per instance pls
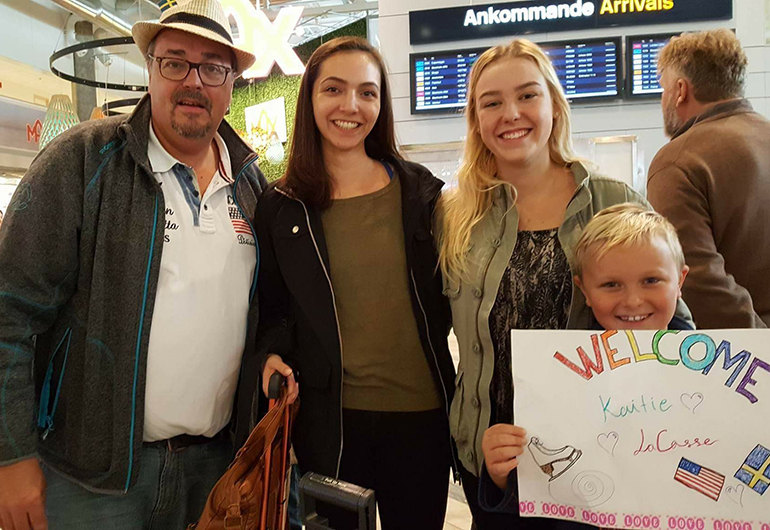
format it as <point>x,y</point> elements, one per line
<point>542,16</point>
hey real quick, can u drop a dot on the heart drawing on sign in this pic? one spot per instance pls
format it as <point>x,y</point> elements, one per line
<point>608,441</point>
<point>735,493</point>
<point>691,401</point>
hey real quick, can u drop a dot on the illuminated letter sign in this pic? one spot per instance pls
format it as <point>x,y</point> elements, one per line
<point>522,17</point>
<point>269,41</point>
<point>491,15</point>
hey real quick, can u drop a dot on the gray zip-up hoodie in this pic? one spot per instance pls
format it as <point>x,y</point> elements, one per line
<point>80,252</point>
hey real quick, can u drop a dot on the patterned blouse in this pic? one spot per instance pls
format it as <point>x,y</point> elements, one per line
<point>535,293</point>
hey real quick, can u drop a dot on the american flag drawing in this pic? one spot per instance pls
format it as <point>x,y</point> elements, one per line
<point>241,227</point>
<point>699,478</point>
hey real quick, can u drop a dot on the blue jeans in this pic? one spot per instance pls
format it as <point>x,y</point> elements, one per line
<point>170,493</point>
<point>295,519</point>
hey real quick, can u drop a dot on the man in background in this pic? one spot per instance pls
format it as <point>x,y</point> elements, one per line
<point>712,180</point>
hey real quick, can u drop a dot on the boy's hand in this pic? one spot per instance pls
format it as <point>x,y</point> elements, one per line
<point>502,445</point>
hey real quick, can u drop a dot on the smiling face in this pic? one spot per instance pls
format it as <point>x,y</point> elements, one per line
<point>633,287</point>
<point>188,110</point>
<point>515,112</point>
<point>346,100</point>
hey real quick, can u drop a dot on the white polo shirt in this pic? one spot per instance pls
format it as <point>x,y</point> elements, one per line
<point>199,322</point>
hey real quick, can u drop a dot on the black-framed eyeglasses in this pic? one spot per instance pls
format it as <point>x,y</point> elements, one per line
<point>175,69</point>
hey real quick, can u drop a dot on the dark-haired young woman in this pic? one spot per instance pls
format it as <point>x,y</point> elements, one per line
<point>351,302</point>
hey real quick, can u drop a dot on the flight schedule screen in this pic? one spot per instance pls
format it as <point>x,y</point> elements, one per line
<point>586,69</point>
<point>441,80</point>
<point>643,64</point>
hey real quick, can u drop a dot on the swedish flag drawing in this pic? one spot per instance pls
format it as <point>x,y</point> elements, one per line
<point>755,471</point>
<point>165,4</point>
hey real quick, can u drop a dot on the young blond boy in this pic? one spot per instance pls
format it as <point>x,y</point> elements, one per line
<point>630,267</point>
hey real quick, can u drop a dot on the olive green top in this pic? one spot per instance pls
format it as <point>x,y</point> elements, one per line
<point>384,366</point>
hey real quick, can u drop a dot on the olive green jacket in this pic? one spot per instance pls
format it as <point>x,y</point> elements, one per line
<point>492,242</point>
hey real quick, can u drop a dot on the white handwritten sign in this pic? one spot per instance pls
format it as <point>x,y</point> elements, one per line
<point>645,429</point>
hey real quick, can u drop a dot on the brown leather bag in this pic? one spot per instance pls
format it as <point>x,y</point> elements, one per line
<point>253,492</point>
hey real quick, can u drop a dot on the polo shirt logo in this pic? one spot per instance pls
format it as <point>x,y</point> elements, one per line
<point>240,224</point>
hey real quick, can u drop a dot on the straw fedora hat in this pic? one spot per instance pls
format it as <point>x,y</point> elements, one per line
<point>204,18</point>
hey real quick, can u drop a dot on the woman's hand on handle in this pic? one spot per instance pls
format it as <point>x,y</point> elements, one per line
<point>274,364</point>
<point>502,445</point>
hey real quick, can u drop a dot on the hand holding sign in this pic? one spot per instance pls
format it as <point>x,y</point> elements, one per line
<point>502,445</point>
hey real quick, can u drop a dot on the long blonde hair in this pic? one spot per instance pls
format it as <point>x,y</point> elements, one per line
<point>464,207</point>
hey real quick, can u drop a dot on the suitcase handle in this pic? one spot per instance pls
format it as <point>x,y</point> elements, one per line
<point>360,501</point>
<point>277,381</point>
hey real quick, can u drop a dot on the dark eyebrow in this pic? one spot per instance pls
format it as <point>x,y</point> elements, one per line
<point>212,55</point>
<point>520,87</point>
<point>343,82</point>
<point>336,79</point>
<point>206,55</point>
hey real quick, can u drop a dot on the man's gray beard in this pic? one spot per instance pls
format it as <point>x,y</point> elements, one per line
<point>671,122</point>
<point>191,131</point>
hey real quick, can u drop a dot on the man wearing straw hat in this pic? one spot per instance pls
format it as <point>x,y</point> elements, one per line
<point>128,267</point>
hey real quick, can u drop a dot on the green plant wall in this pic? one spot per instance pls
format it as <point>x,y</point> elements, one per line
<point>277,85</point>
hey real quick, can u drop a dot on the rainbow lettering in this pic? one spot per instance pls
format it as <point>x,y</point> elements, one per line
<point>594,365</point>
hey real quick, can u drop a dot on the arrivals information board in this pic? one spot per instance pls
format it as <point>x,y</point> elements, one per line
<point>642,64</point>
<point>440,80</point>
<point>586,69</point>
<point>546,16</point>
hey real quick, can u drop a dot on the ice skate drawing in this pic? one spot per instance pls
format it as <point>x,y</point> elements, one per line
<point>553,462</point>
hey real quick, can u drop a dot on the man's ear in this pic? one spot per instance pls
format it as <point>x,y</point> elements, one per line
<point>579,283</point>
<point>683,91</point>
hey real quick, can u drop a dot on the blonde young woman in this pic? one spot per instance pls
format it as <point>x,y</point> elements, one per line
<point>506,241</point>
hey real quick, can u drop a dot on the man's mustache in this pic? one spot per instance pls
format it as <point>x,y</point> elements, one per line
<point>192,95</point>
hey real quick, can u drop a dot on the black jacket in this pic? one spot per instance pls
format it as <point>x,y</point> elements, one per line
<point>299,319</point>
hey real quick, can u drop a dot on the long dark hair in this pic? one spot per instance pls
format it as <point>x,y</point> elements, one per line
<point>306,175</point>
